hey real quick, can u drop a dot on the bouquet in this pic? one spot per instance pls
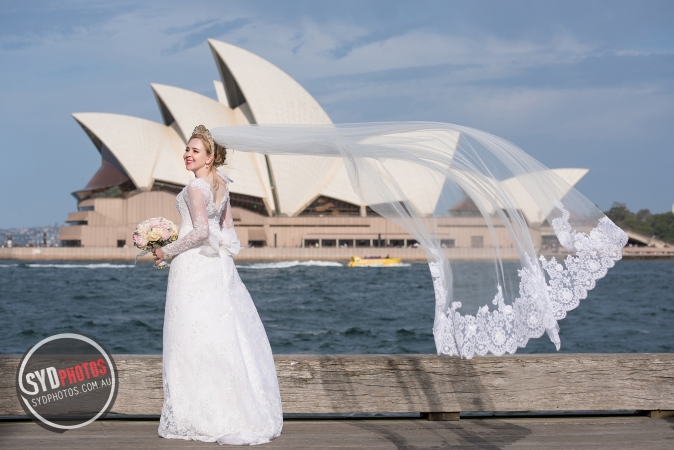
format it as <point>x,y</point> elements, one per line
<point>154,233</point>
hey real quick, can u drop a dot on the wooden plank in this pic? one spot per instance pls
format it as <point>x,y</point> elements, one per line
<point>605,433</point>
<point>424,383</point>
<point>408,383</point>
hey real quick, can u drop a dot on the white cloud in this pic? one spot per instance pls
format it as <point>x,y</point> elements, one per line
<point>314,50</point>
<point>610,112</point>
<point>586,113</point>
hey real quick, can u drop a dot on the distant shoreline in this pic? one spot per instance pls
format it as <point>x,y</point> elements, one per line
<point>300,254</point>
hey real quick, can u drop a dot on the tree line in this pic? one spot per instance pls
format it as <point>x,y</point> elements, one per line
<point>643,222</point>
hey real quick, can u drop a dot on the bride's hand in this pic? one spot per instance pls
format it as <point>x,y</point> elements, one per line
<point>158,256</point>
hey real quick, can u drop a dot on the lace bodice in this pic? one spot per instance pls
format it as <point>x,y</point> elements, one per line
<point>200,215</point>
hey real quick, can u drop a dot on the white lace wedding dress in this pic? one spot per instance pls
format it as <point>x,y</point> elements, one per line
<point>219,376</point>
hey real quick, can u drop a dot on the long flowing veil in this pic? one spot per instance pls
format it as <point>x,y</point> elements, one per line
<point>412,173</point>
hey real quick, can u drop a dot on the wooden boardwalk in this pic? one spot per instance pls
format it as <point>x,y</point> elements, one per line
<point>345,384</point>
<point>442,387</point>
<point>397,434</point>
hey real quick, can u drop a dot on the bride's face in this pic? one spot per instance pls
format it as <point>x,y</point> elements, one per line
<point>195,155</point>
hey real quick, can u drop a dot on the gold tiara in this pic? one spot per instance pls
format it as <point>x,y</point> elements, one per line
<point>202,132</point>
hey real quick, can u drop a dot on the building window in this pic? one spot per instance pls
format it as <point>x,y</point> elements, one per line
<point>167,187</point>
<point>447,243</point>
<point>363,243</point>
<point>256,243</point>
<point>248,202</point>
<point>121,243</point>
<point>76,223</point>
<point>396,243</point>
<point>369,212</point>
<point>71,243</point>
<point>310,243</point>
<point>477,241</point>
<point>326,206</point>
<point>85,208</point>
<point>386,208</point>
<point>550,243</point>
<point>115,191</point>
<point>412,243</point>
<point>328,242</point>
<point>346,242</point>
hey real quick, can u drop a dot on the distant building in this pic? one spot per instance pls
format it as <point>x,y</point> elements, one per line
<point>291,201</point>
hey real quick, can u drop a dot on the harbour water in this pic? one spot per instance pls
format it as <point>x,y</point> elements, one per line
<point>319,307</point>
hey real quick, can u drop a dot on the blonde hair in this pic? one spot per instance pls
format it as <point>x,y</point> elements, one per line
<point>218,152</point>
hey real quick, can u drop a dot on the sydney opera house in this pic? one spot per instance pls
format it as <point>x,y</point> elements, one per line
<point>277,201</point>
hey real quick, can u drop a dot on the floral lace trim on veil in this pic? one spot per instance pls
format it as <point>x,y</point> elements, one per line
<point>541,303</point>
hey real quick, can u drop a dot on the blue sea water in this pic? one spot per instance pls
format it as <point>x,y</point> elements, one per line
<point>319,307</point>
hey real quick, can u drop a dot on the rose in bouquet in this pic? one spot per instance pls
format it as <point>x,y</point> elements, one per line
<point>154,233</point>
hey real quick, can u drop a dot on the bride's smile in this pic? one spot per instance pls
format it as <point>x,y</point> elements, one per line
<point>196,157</point>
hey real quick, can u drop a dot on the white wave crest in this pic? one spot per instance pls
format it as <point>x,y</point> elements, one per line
<point>8,265</point>
<point>288,264</point>
<point>82,266</point>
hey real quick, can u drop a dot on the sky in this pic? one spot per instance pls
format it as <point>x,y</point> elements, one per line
<point>573,83</point>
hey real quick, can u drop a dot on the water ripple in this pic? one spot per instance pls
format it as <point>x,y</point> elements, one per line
<point>321,306</point>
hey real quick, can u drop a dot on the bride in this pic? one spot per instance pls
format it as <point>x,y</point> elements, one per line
<point>219,376</point>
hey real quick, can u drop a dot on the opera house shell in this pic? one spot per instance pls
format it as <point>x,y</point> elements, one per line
<point>280,201</point>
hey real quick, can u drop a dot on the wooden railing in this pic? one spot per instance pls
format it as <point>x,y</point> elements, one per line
<point>422,383</point>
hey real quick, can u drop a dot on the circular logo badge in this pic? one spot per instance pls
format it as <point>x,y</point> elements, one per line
<point>66,381</point>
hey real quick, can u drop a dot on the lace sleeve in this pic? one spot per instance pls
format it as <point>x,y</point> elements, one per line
<point>227,220</point>
<point>196,202</point>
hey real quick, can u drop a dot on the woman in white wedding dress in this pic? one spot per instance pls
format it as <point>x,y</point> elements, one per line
<point>220,381</point>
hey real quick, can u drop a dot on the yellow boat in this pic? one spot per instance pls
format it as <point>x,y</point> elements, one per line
<point>373,261</point>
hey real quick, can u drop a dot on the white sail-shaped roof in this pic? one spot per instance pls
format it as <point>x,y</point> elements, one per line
<point>481,188</point>
<point>273,97</point>
<point>298,180</point>
<point>220,92</point>
<point>189,109</point>
<point>422,187</point>
<point>533,212</point>
<point>138,144</point>
<point>338,186</point>
<point>170,166</point>
<point>571,175</point>
<point>249,173</point>
<point>255,91</point>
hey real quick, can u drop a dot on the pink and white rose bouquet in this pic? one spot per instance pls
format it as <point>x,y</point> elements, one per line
<point>154,233</point>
